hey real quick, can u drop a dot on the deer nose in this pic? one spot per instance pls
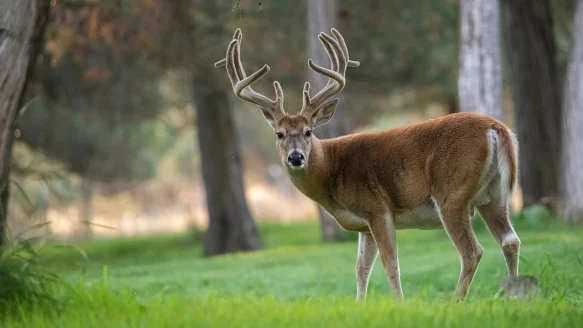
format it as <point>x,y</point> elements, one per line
<point>295,159</point>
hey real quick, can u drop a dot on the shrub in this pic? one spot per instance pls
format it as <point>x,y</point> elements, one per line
<point>23,278</point>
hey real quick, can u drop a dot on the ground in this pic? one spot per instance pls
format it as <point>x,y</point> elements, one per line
<point>297,281</point>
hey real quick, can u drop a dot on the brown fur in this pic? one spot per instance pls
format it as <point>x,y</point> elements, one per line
<point>398,169</point>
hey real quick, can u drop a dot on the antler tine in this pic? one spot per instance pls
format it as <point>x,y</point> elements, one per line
<point>336,76</point>
<point>306,95</point>
<point>230,65</point>
<point>237,54</point>
<point>335,53</point>
<point>333,58</point>
<point>223,61</point>
<point>246,82</point>
<point>340,38</point>
<point>338,53</point>
<point>242,83</point>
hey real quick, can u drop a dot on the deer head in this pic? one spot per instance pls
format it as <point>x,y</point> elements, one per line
<point>294,132</point>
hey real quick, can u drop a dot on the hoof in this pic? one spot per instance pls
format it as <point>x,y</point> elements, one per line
<point>520,287</point>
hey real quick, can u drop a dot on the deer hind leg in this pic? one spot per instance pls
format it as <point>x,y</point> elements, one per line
<point>456,220</point>
<point>367,254</point>
<point>383,231</point>
<point>496,216</point>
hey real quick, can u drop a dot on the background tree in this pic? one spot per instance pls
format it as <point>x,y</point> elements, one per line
<point>572,155</point>
<point>231,226</point>
<point>480,73</point>
<point>22,25</point>
<point>321,15</point>
<point>531,52</point>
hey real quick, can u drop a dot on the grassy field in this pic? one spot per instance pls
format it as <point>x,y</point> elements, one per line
<point>297,281</point>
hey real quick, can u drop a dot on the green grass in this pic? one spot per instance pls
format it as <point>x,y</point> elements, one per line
<point>297,281</point>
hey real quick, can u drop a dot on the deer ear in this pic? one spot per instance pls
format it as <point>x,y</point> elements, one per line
<point>324,114</point>
<point>270,119</point>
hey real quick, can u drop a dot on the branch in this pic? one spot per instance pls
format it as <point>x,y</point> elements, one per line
<point>236,6</point>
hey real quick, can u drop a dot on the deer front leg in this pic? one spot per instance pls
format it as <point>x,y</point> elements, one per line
<point>367,254</point>
<point>383,231</point>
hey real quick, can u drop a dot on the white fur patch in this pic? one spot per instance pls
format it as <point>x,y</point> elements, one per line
<point>511,239</point>
<point>483,194</point>
<point>496,176</point>
<point>505,170</point>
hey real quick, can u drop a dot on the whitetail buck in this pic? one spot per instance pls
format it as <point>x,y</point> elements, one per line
<point>423,176</point>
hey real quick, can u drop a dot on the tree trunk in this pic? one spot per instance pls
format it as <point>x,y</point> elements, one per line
<point>321,18</point>
<point>572,156</point>
<point>4,187</point>
<point>530,49</point>
<point>453,105</point>
<point>480,74</point>
<point>22,25</point>
<point>231,227</point>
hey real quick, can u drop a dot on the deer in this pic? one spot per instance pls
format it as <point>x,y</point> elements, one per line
<point>426,176</point>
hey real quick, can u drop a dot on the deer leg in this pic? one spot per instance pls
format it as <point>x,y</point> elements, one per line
<point>497,219</point>
<point>367,254</point>
<point>383,231</point>
<point>456,220</point>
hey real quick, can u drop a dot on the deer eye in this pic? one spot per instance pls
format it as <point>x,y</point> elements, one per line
<point>308,133</point>
<point>279,135</point>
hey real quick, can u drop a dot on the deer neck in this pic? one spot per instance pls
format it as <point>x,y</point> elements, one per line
<point>312,181</point>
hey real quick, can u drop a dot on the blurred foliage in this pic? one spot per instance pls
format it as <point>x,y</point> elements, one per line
<point>403,44</point>
<point>94,146</point>
<point>24,280</point>
<point>96,102</point>
<point>104,77</point>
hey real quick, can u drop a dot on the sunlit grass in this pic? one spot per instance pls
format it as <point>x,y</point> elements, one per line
<point>297,281</point>
<point>97,307</point>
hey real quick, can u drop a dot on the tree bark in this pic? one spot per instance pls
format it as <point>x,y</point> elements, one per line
<point>530,49</point>
<point>321,18</point>
<point>22,25</point>
<point>480,74</point>
<point>231,227</point>
<point>572,156</point>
